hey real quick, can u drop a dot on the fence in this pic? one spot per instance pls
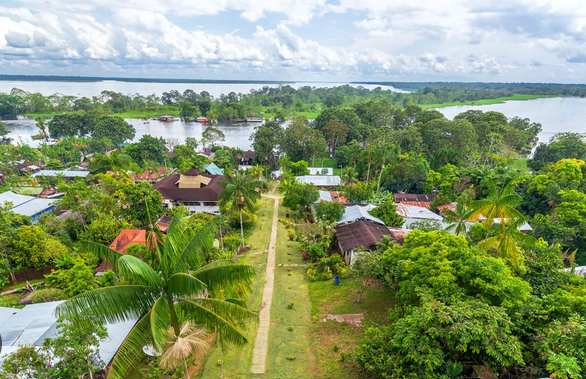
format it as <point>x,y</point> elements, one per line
<point>33,273</point>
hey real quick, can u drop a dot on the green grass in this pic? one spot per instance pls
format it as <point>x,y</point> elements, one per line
<point>519,164</point>
<point>499,100</point>
<point>138,113</point>
<point>27,190</point>
<point>323,162</point>
<point>238,360</point>
<point>11,286</point>
<point>332,339</point>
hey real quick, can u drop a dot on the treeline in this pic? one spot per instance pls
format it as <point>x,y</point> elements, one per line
<point>280,102</point>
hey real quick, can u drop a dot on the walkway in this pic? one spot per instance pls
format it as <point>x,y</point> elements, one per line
<point>261,343</point>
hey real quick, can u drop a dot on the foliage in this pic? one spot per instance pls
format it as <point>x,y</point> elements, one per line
<point>148,148</point>
<point>426,225</point>
<point>421,343</point>
<point>300,196</point>
<point>74,281</point>
<point>32,247</point>
<point>27,361</point>
<point>47,294</point>
<point>387,212</point>
<point>357,193</point>
<point>113,128</point>
<point>104,229</point>
<point>330,211</point>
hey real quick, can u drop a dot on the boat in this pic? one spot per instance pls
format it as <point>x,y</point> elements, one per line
<point>254,119</point>
<point>202,119</point>
<point>167,118</point>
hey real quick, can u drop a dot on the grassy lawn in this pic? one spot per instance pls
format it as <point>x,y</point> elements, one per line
<point>499,100</point>
<point>333,343</point>
<point>238,360</point>
<point>519,164</point>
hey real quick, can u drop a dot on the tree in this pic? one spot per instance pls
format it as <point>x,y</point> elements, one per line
<point>421,342</point>
<point>330,211</point>
<point>43,129</point>
<point>333,100</point>
<point>240,191</point>
<point>300,196</point>
<point>77,348</point>
<point>114,128</point>
<point>191,142</point>
<point>299,168</point>
<point>139,200</point>
<point>300,142</point>
<point>213,135</point>
<point>335,134</point>
<point>117,162</point>
<point>3,132</point>
<point>33,248</point>
<point>349,176</point>
<point>166,294</point>
<point>560,146</point>
<point>79,123</point>
<point>499,207</point>
<point>265,142</point>
<point>148,148</point>
<point>104,228</point>
<point>387,212</point>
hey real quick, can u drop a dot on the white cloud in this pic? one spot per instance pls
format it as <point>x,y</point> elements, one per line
<point>514,40</point>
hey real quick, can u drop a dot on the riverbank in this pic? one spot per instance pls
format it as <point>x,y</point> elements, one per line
<point>499,100</point>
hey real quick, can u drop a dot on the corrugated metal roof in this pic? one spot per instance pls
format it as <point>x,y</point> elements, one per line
<point>37,322</point>
<point>65,173</point>
<point>213,169</point>
<point>26,205</point>
<point>400,197</point>
<point>320,180</point>
<point>412,211</point>
<point>358,212</point>
<point>319,170</point>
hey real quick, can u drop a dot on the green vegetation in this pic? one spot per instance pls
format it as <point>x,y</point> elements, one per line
<point>500,100</point>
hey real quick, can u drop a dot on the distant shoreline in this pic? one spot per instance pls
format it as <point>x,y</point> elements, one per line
<point>500,100</point>
<point>88,79</point>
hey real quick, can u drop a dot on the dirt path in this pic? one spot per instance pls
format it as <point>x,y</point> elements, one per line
<point>261,343</point>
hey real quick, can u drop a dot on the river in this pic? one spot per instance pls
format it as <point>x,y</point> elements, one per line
<point>555,114</point>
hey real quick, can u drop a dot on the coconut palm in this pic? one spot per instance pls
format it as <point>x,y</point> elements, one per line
<point>349,176</point>
<point>498,205</point>
<point>116,161</point>
<point>458,219</point>
<point>188,343</point>
<point>173,291</point>
<point>240,192</point>
<point>507,240</point>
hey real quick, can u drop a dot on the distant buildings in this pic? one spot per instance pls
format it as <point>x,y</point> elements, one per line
<point>321,181</point>
<point>150,176</point>
<point>418,200</point>
<point>65,174</point>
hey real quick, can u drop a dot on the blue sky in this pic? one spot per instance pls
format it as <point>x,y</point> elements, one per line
<point>398,40</point>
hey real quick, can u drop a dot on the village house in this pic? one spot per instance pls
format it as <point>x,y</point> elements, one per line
<point>31,206</point>
<point>321,181</point>
<point>355,237</point>
<point>418,200</point>
<point>194,190</point>
<point>151,177</point>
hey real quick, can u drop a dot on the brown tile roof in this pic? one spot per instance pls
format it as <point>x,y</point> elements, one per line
<point>169,187</point>
<point>365,234</point>
<point>249,154</point>
<point>164,223</point>
<point>147,175</point>
<point>170,154</point>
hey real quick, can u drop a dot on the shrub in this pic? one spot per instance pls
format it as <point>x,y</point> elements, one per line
<point>290,305</point>
<point>316,251</point>
<point>46,295</point>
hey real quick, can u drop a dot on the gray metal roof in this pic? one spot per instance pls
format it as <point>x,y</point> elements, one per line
<point>320,180</point>
<point>36,322</point>
<point>26,205</point>
<point>421,213</point>
<point>324,196</point>
<point>358,212</point>
<point>319,170</point>
<point>65,173</point>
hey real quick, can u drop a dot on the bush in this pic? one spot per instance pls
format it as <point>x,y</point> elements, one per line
<point>48,294</point>
<point>80,278</point>
<point>315,251</point>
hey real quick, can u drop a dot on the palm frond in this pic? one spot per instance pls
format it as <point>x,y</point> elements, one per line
<point>191,254</point>
<point>138,272</point>
<point>214,319</point>
<point>103,252</point>
<point>110,304</point>
<point>182,284</point>
<point>131,348</point>
<point>159,323</point>
<point>188,343</point>
<point>215,276</point>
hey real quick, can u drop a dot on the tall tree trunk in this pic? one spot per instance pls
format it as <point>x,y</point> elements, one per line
<point>174,319</point>
<point>368,173</point>
<point>221,357</point>
<point>185,368</point>
<point>379,177</point>
<point>221,238</point>
<point>241,235</point>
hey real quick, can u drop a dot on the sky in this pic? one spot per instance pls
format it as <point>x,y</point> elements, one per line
<point>311,40</point>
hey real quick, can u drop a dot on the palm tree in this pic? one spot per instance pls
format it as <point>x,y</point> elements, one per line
<point>168,294</point>
<point>369,154</point>
<point>458,219</point>
<point>116,161</point>
<point>349,176</point>
<point>188,343</point>
<point>507,240</point>
<point>498,205</point>
<point>240,192</point>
